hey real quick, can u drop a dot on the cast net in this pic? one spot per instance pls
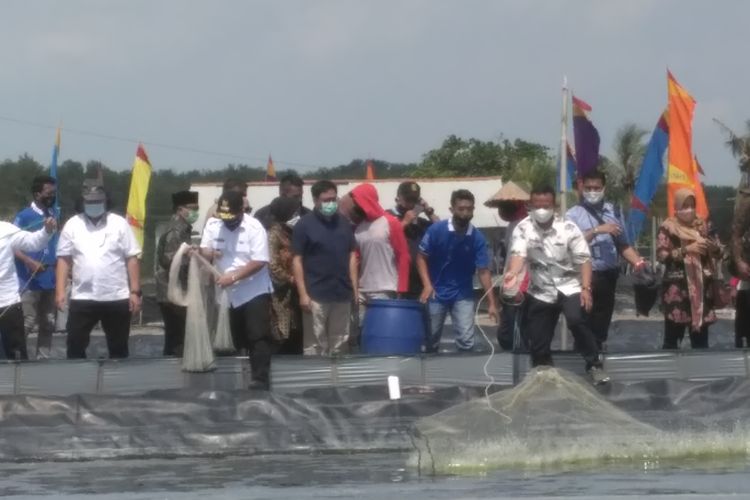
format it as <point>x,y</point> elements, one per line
<point>551,417</point>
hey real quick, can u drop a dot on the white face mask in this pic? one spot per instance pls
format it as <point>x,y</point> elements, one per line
<point>686,214</point>
<point>542,215</point>
<point>593,197</point>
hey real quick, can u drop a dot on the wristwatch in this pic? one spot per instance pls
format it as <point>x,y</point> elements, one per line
<point>587,288</point>
<point>429,211</point>
<point>138,293</point>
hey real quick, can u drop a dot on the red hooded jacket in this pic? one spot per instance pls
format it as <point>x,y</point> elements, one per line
<point>366,196</point>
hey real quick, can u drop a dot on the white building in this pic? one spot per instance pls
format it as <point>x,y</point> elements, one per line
<point>437,192</point>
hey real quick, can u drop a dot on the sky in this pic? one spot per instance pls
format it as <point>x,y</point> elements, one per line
<point>320,82</point>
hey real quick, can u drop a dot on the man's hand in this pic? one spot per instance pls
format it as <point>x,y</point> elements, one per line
<point>609,228</point>
<point>305,303</point>
<point>492,313</point>
<point>50,225</point>
<point>226,280</point>
<point>135,303</point>
<point>427,294</point>
<point>34,266</point>
<point>586,301</point>
<point>409,217</point>
<point>60,301</point>
<point>640,264</point>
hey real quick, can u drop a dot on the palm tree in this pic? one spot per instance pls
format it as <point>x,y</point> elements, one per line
<point>629,150</point>
<point>739,145</point>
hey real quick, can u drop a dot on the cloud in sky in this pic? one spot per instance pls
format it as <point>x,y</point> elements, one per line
<point>319,82</point>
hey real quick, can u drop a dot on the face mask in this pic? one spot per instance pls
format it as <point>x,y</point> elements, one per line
<point>542,215</point>
<point>191,216</point>
<point>93,210</point>
<point>47,202</point>
<point>686,214</point>
<point>593,197</point>
<point>233,224</point>
<point>461,221</point>
<point>328,208</point>
<point>291,222</point>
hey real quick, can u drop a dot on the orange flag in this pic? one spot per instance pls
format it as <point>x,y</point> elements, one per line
<point>681,170</point>
<point>701,206</point>
<point>270,170</point>
<point>370,175</point>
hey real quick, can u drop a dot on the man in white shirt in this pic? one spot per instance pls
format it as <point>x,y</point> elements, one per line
<point>102,252</point>
<point>238,245</point>
<point>13,239</point>
<point>559,264</point>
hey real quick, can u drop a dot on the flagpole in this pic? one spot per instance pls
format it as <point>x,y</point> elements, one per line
<point>563,172</point>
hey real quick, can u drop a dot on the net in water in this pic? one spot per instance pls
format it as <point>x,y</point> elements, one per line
<point>551,417</point>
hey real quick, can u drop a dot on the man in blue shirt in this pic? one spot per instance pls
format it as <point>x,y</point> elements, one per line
<point>36,270</point>
<point>450,253</point>
<point>604,232</point>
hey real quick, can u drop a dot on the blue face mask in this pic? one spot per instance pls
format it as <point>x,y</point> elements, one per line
<point>94,210</point>
<point>328,208</point>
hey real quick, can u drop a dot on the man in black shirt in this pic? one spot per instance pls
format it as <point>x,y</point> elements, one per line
<point>290,186</point>
<point>415,216</point>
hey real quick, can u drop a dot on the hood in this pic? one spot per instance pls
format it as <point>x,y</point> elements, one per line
<point>366,196</point>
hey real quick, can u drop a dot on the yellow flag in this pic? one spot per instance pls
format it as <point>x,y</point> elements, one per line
<point>139,181</point>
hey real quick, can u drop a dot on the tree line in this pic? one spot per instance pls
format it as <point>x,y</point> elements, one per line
<point>518,160</point>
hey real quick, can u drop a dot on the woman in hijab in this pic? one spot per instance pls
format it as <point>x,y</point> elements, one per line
<point>689,257</point>
<point>287,315</point>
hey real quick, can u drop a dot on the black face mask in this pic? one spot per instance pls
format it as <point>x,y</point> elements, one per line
<point>47,201</point>
<point>233,224</point>
<point>462,222</point>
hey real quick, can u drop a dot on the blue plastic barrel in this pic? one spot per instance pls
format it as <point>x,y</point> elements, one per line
<point>393,327</point>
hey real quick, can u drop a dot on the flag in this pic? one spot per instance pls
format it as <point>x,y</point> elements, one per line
<point>570,169</point>
<point>701,206</point>
<point>139,181</point>
<point>53,169</point>
<point>370,173</point>
<point>681,166</point>
<point>649,176</point>
<point>586,138</point>
<point>270,170</point>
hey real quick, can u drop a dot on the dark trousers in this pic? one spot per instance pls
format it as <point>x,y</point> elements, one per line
<point>675,332</point>
<point>539,326</point>
<point>12,332</point>
<point>251,322</point>
<point>83,315</point>
<point>742,319</point>
<point>603,284</point>
<point>506,332</point>
<point>174,328</point>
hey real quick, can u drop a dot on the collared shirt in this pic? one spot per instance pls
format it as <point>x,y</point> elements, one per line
<point>554,257</point>
<point>32,218</point>
<point>453,258</point>
<point>246,243</point>
<point>604,247</point>
<point>99,252</point>
<point>325,245</point>
<point>177,233</point>
<point>12,239</point>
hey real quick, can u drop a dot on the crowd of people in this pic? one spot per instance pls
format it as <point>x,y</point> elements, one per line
<point>298,280</point>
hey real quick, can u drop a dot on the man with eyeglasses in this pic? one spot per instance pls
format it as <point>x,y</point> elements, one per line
<point>100,249</point>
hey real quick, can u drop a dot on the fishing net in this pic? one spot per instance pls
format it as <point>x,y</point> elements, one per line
<point>222,338</point>
<point>551,417</point>
<point>198,356</point>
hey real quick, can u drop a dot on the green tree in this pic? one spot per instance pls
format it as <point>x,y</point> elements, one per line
<point>629,150</point>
